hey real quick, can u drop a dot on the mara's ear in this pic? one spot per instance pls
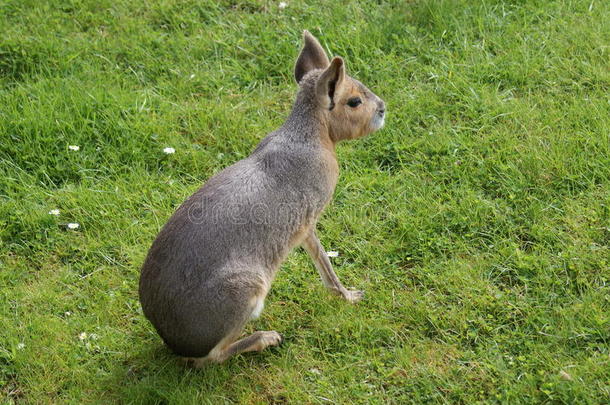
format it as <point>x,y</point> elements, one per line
<point>312,57</point>
<point>330,82</point>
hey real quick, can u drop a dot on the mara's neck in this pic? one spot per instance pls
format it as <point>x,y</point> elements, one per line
<point>305,124</point>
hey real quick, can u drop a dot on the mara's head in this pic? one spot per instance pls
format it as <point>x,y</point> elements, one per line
<point>347,108</point>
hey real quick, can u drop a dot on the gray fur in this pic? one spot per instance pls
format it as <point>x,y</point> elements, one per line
<point>222,247</point>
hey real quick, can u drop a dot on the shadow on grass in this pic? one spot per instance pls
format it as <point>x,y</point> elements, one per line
<point>154,375</point>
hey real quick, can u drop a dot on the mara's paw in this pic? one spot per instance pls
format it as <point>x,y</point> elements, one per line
<point>353,296</point>
<point>271,338</point>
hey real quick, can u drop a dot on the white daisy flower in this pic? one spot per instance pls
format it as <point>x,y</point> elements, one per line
<point>82,336</point>
<point>332,254</point>
<point>74,147</point>
<point>192,76</point>
<point>169,151</point>
<point>73,225</point>
<point>282,5</point>
<point>20,346</point>
<point>54,211</point>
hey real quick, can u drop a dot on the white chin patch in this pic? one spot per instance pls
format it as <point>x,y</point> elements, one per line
<point>377,122</point>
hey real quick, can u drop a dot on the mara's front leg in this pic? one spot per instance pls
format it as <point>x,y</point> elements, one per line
<point>313,246</point>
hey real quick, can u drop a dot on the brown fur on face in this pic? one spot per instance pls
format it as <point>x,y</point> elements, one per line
<point>346,122</point>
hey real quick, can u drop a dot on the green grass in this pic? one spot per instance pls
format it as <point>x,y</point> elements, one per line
<point>477,221</point>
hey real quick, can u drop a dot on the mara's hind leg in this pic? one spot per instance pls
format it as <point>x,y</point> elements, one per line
<point>256,342</point>
<point>230,346</point>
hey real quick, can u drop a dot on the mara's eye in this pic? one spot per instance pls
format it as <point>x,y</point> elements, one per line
<point>354,102</point>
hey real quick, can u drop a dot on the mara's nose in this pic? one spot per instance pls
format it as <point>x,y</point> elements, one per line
<point>381,107</point>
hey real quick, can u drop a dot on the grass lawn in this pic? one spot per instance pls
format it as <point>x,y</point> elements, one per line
<point>477,221</point>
